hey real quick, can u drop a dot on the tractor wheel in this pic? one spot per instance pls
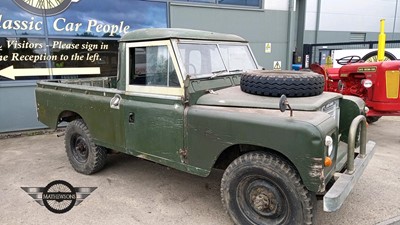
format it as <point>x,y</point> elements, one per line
<point>277,83</point>
<point>373,57</point>
<point>261,188</point>
<point>84,156</point>
<point>372,119</point>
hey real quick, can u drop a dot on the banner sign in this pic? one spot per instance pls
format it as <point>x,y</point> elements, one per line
<point>38,37</point>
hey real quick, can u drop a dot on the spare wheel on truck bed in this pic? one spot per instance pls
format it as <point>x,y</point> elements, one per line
<point>277,83</point>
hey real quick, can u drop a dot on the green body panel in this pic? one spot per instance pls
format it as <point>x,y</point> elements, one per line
<point>351,107</point>
<point>233,96</point>
<point>157,133</point>
<point>90,103</point>
<point>213,129</point>
<point>158,126</point>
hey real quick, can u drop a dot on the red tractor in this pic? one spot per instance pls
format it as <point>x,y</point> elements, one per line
<point>377,83</point>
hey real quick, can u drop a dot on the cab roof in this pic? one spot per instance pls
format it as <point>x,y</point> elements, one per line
<point>152,34</point>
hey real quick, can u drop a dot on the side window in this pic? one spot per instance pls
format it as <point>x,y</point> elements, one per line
<point>152,66</point>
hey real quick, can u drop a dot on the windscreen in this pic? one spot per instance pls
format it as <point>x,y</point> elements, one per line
<point>204,60</point>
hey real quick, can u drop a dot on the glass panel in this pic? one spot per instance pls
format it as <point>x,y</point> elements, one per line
<point>202,1</point>
<point>152,66</point>
<point>252,3</point>
<point>15,21</point>
<point>23,58</point>
<point>111,18</point>
<point>237,57</point>
<point>80,34</point>
<point>90,57</point>
<point>256,3</point>
<point>201,59</point>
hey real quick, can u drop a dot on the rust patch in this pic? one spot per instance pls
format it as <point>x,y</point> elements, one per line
<point>317,171</point>
<point>183,154</point>
<point>316,168</point>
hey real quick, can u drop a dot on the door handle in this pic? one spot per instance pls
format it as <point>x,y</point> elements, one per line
<point>115,101</point>
<point>131,117</point>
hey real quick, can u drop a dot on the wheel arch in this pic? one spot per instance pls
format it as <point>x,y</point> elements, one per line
<point>228,155</point>
<point>234,151</point>
<point>68,116</point>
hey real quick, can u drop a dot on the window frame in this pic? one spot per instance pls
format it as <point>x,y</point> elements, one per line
<point>176,42</point>
<point>161,90</point>
<point>216,3</point>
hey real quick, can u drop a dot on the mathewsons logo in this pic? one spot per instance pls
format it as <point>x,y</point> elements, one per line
<point>59,196</point>
<point>44,7</point>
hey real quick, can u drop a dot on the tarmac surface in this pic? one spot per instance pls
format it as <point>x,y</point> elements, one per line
<point>134,191</point>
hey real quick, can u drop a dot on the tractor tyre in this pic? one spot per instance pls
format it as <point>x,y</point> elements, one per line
<point>372,119</point>
<point>277,83</point>
<point>373,57</point>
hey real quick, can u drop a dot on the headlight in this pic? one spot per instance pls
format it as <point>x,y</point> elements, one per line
<point>367,83</point>
<point>366,109</point>
<point>329,144</point>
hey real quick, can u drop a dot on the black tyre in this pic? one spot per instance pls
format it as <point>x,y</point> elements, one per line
<point>372,119</point>
<point>259,188</point>
<point>84,156</point>
<point>373,57</point>
<point>277,83</point>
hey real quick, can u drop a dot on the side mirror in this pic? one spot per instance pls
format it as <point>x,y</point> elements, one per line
<point>283,104</point>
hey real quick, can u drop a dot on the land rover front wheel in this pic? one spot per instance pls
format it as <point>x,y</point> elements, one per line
<point>261,188</point>
<point>84,156</point>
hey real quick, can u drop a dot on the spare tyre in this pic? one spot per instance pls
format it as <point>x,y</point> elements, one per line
<point>277,83</point>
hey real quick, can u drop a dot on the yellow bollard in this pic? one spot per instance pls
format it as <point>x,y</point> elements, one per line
<point>381,42</point>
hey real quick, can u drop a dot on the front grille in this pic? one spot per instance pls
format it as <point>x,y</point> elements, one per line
<point>333,109</point>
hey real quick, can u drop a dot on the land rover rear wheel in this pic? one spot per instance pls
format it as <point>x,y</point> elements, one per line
<point>277,83</point>
<point>84,156</point>
<point>261,188</point>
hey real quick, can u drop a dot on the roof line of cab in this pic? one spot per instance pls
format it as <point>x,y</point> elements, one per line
<point>152,34</point>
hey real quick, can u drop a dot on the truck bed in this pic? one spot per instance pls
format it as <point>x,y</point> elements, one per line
<point>104,82</point>
<point>89,99</point>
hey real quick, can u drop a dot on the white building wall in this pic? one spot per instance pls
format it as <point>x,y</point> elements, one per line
<point>276,4</point>
<point>354,15</point>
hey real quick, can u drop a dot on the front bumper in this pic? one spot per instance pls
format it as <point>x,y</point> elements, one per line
<point>338,193</point>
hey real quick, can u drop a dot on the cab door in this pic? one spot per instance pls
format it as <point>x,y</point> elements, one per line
<point>153,106</point>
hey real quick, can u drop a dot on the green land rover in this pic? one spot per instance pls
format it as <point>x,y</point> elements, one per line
<point>196,100</point>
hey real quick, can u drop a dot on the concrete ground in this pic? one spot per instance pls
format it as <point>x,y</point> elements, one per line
<point>134,191</point>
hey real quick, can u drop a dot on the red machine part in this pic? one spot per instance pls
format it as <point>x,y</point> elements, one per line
<point>377,83</point>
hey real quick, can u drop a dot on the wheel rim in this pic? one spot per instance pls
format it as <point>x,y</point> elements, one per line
<point>262,201</point>
<point>80,148</point>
